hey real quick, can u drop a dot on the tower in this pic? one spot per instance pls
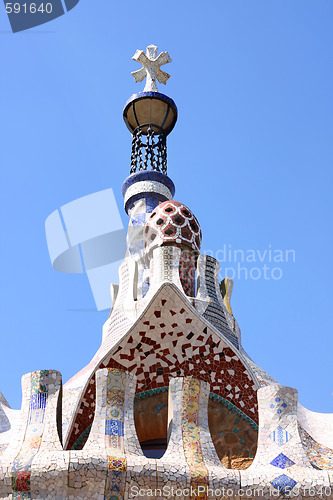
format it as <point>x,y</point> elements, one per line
<point>150,116</point>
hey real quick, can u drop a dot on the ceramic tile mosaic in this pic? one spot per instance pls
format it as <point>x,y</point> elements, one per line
<point>142,194</point>
<point>234,410</point>
<point>320,456</point>
<point>181,349</point>
<point>278,405</point>
<point>176,355</point>
<point>215,312</point>
<point>33,436</point>
<point>285,452</point>
<point>113,472</point>
<point>116,478</point>
<point>280,436</point>
<point>114,421</point>
<point>81,440</point>
<point>263,378</point>
<point>282,461</point>
<point>172,223</point>
<point>191,434</point>
<point>167,270</point>
<point>187,272</point>
<point>283,483</point>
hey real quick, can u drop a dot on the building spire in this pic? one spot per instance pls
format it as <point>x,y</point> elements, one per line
<point>149,115</point>
<point>151,67</point>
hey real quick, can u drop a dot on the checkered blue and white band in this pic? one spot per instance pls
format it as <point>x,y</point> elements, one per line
<point>143,187</point>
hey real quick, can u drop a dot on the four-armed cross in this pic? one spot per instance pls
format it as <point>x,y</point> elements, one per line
<point>151,67</point>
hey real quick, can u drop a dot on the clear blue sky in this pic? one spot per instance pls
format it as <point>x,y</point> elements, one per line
<point>251,155</point>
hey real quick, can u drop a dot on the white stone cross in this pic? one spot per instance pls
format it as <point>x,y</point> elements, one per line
<point>151,67</point>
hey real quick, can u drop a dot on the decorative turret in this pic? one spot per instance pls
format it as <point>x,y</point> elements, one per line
<point>150,116</point>
<point>173,224</point>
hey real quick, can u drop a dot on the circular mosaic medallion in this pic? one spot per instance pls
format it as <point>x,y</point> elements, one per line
<point>113,495</point>
<point>114,413</point>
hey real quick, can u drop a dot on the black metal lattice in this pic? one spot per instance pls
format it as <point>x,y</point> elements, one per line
<point>148,151</point>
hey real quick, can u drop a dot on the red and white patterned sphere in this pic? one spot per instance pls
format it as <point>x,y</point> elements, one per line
<point>172,223</point>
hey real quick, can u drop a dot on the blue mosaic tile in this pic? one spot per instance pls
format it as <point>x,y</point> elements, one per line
<point>23,463</point>
<point>145,288</point>
<point>114,428</point>
<point>137,247</point>
<point>38,401</point>
<point>113,495</point>
<point>140,196</point>
<point>21,495</point>
<point>148,175</point>
<point>283,483</point>
<point>36,416</point>
<point>115,480</point>
<point>282,461</point>
<point>151,202</point>
<point>138,219</point>
<point>279,405</point>
<point>280,436</point>
<point>151,392</point>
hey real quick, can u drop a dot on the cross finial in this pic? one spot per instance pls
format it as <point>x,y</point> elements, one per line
<point>151,67</point>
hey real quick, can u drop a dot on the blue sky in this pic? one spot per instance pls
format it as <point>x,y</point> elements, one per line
<point>251,155</point>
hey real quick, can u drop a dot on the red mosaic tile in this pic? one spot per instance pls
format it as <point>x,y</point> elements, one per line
<point>229,372</point>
